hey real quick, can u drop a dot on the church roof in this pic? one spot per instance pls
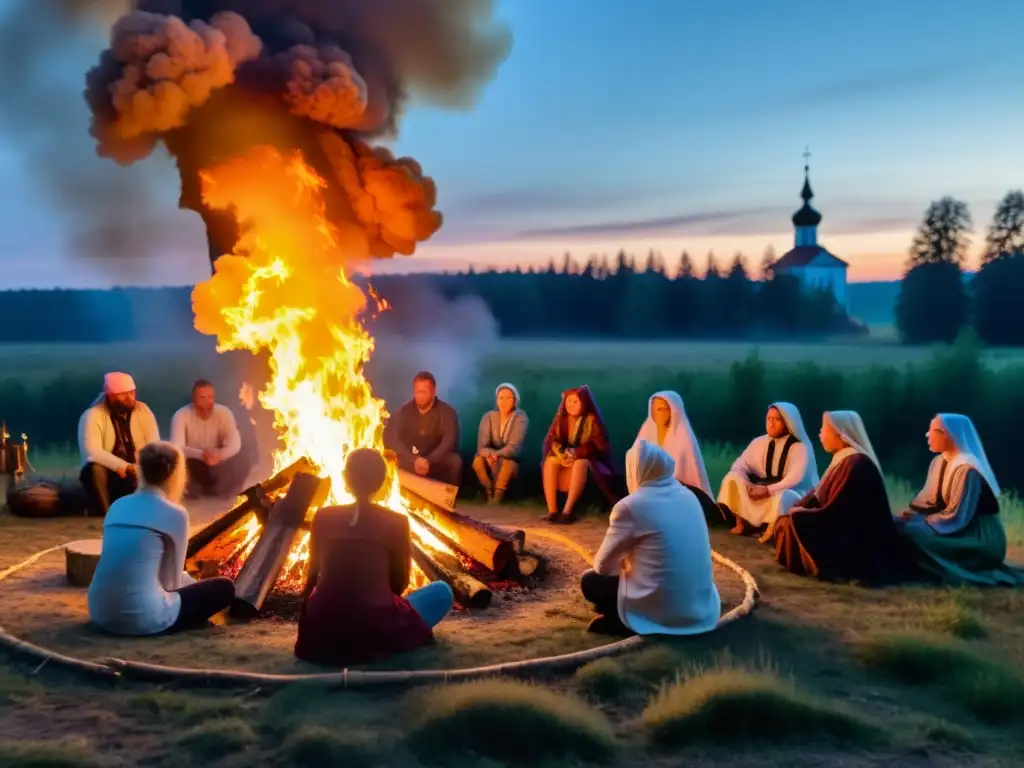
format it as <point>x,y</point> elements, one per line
<point>806,216</point>
<point>803,255</point>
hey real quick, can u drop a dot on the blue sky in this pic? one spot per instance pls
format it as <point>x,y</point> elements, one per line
<point>650,124</point>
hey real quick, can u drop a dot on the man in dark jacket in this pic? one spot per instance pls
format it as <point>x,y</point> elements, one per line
<point>424,434</point>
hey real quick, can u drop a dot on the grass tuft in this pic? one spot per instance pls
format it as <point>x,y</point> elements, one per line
<point>603,679</point>
<point>14,686</point>
<point>183,708</point>
<point>67,753</point>
<point>952,617</point>
<point>217,738</point>
<point>991,691</point>
<point>730,705</point>
<point>315,746</point>
<point>506,721</point>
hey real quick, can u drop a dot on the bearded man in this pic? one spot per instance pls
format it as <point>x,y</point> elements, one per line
<point>110,435</point>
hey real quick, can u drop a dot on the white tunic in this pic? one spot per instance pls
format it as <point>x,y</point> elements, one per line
<point>195,435</point>
<point>657,544</point>
<point>145,538</point>
<point>796,481</point>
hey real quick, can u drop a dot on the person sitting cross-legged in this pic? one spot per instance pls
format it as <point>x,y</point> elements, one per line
<point>140,586</point>
<point>653,573</point>
<point>353,610</point>
<point>208,435</point>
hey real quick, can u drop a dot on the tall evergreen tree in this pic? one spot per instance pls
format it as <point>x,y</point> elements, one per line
<point>685,267</point>
<point>1006,233</point>
<point>999,284</point>
<point>767,260</point>
<point>944,234</point>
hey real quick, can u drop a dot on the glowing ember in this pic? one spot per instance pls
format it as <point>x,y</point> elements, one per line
<point>286,290</point>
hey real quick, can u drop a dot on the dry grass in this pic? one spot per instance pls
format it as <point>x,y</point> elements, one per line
<point>63,753</point>
<point>507,721</point>
<point>217,738</point>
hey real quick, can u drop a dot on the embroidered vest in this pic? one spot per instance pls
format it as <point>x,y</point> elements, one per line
<point>770,478</point>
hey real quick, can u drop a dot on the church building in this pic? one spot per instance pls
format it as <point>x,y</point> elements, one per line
<point>814,266</point>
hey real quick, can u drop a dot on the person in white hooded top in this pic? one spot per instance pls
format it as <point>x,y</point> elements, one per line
<point>772,474</point>
<point>653,573</point>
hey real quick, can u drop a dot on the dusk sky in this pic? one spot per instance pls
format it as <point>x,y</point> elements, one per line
<point>637,125</point>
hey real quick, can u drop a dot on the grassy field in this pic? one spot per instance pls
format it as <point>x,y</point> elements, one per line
<point>821,674</point>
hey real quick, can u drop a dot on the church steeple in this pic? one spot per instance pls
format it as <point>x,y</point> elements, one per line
<point>806,220</point>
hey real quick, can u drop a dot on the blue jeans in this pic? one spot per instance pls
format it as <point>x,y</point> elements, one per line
<point>432,602</point>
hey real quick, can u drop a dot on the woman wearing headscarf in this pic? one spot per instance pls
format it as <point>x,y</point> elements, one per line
<point>668,427</point>
<point>354,611</point>
<point>499,442</point>
<point>653,572</point>
<point>843,529</point>
<point>140,586</point>
<point>575,446</point>
<point>772,473</point>
<point>953,524</point>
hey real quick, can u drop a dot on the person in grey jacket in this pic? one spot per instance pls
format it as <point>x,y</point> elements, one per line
<point>499,443</point>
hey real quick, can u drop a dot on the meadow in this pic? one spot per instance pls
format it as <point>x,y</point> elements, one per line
<point>820,674</point>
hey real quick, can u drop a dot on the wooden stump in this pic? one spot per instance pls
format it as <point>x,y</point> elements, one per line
<point>82,557</point>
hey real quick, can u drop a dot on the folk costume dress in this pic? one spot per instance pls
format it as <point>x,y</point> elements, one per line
<point>589,439</point>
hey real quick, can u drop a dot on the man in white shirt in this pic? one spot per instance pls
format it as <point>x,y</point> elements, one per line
<point>208,435</point>
<point>110,434</point>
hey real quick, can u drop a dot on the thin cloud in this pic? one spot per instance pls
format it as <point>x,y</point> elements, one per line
<point>686,224</point>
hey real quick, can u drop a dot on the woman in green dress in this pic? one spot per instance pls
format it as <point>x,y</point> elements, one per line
<point>953,524</point>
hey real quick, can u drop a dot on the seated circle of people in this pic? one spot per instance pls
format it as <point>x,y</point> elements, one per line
<point>843,529</point>
<point>653,572</point>
<point>668,427</point>
<point>499,443</point>
<point>359,567</point>
<point>576,446</point>
<point>140,586</point>
<point>208,435</point>
<point>111,432</point>
<point>953,525</point>
<point>771,474</point>
<point>423,434</point>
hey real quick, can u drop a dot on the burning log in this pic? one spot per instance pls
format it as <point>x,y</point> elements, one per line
<point>493,547</point>
<point>263,566</point>
<point>530,565</point>
<point>439,566</point>
<point>258,501</point>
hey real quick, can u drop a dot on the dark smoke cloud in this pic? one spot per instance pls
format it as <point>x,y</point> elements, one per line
<point>108,212</point>
<point>213,79</point>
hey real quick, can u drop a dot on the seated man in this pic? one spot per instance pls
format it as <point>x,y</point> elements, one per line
<point>774,471</point>
<point>653,573</point>
<point>424,434</point>
<point>207,434</point>
<point>953,525</point>
<point>111,432</point>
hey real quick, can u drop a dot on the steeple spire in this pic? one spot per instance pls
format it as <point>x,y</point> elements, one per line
<point>806,220</point>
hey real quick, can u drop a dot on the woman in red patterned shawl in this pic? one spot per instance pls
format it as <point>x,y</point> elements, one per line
<point>575,446</point>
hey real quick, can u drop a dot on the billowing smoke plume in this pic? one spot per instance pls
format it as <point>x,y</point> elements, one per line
<point>423,330</point>
<point>109,212</point>
<point>213,78</point>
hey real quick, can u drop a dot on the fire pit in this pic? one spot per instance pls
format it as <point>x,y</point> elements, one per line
<point>262,543</point>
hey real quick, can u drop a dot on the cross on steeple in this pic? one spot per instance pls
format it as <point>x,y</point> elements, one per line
<point>807,158</point>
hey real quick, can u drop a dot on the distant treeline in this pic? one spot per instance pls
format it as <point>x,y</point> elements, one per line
<point>593,300</point>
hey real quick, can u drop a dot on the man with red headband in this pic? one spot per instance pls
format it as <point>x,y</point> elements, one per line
<point>110,435</point>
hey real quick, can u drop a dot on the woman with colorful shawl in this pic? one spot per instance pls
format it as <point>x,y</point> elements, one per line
<point>576,445</point>
<point>953,524</point>
<point>499,442</point>
<point>843,529</point>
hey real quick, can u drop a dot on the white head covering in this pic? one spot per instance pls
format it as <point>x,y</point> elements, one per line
<point>116,383</point>
<point>968,445</point>
<point>795,424</point>
<point>680,441</point>
<point>648,465</point>
<point>511,388</point>
<point>851,428</point>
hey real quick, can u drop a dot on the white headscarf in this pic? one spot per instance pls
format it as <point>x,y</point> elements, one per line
<point>511,388</point>
<point>850,427</point>
<point>795,424</point>
<point>968,445</point>
<point>648,465</point>
<point>680,441</point>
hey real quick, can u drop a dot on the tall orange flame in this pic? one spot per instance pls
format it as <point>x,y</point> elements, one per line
<point>286,291</point>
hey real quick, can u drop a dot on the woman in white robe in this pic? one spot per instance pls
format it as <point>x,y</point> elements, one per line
<point>772,473</point>
<point>668,427</point>
<point>653,572</point>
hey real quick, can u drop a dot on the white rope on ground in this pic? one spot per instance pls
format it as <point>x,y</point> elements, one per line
<point>347,678</point>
